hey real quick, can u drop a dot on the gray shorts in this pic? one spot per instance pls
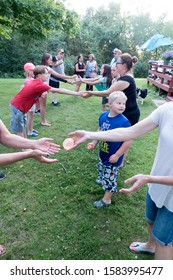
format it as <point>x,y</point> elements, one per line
<point>18,120</point>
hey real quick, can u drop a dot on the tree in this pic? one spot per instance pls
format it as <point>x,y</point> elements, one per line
<point>24,25</point>
<point>34,18</point>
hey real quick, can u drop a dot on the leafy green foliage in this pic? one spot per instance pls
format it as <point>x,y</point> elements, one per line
<point>30,28</point>
<point>34,18</point>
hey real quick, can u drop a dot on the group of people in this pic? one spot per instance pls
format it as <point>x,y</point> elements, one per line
<point>117,128</point>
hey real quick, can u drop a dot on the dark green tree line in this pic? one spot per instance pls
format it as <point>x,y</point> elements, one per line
<point>30,28</point>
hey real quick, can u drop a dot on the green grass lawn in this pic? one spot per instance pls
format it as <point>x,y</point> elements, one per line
<point>60,221</point>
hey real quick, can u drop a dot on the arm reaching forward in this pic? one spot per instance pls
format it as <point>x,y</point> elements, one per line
<point>140,180</point>
<point>114,135</point>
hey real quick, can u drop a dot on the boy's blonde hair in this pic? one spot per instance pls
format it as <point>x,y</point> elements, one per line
<point>116,94</point>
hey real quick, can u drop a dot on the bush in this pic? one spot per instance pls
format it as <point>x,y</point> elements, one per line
<point>141,69</point>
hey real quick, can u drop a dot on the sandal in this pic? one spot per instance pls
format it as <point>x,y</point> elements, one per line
<point>136,248</point>
<point>46,124</point>
<point>2,250</point>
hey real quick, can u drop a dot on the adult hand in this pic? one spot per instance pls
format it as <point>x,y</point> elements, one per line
<point>85,94</point>
<point>79,136</point>
<point>42,157</point>
<point>75,76</point>
<point>46,145</point>
<point>139,180</point>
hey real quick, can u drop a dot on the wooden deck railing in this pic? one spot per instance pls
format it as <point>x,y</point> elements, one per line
<point>162,77</point>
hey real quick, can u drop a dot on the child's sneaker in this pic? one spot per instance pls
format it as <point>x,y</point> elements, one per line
<point>100,204</point>
<point>2,176</point>
<point>35,131</point>
<point>33,134</point>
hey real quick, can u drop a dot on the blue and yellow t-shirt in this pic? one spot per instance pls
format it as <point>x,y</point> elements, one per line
<point>109,148</point>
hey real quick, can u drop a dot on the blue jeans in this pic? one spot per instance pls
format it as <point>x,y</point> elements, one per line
<point>162,220</point>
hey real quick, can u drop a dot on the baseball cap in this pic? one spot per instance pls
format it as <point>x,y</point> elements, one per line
<point>28,66</point>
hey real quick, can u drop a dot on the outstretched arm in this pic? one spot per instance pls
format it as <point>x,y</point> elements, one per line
<point>6,159</point>
<point>114,135</point>
<point>14,141</point>
<point>140,180</point>
<point>65,91</point>
<point>119,85</point>
<point>54,73</point>
<point>94,81</point>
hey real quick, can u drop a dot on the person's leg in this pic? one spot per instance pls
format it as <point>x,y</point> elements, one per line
<point>150,245</point>
<point>89,87</point>
<point>43,111</point>
<point>30,120</point>
<point>107,197</point>
<point>109,182</point>
<point>104,102</point>
<point>99,172</point>
<point>22,134</point>
<point>54,84</point>
<point>103,107</point>
<point>163,252</point>
<point>109,185</point>
<point>163,234</point>
<point>77,87</point>
<point>37,110</point>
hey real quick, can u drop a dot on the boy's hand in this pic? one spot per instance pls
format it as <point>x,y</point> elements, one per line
<point>91,146</point>
<point>114,158</point>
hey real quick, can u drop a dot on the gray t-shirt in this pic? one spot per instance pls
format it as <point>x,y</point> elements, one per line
<point>162,195</point>
<point>59,69</point>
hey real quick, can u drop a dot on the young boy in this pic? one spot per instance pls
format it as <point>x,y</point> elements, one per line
<point>111,153</point>
<point>28,95</point>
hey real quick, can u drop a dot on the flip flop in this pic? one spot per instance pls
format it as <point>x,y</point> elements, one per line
<point>2,250</point>
<point>46,124</point>
<point>138,249</point>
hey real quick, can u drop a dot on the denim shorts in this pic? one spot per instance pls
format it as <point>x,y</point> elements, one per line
<point>162,220</point>
<point>18,120</point>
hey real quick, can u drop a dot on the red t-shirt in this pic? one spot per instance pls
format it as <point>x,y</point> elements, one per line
<point>28,95</point>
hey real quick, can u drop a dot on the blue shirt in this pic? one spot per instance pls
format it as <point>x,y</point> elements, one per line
<point>109,148</point>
